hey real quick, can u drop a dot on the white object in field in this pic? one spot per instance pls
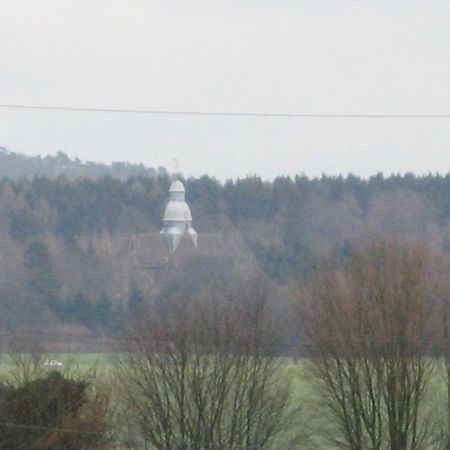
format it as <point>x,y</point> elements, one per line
<point>177,218</point>
<point>53,362</point>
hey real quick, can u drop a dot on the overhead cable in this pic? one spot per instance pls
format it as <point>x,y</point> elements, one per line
<point>306,115</point>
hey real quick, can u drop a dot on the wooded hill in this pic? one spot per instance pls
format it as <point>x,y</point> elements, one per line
<point>87,252</point>
<point>16,165</point>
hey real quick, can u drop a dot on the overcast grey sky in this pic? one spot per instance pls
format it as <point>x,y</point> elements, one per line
<point>317,56</point>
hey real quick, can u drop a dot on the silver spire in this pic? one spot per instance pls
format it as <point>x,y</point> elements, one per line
<point>177,217</point>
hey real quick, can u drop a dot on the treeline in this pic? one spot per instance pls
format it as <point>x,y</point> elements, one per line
<point>16,165</point>
<point>72,249</point>
<point>73,208</point>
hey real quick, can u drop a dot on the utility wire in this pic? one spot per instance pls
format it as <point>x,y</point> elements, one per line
<point>223,113</point>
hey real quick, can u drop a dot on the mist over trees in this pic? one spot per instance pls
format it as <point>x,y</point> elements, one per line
<point>351,273</point>
<point>86,252</point>
<point>15,165</point>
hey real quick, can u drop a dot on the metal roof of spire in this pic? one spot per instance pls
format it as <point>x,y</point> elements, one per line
<point>177,217</point>
<point>177,186</point>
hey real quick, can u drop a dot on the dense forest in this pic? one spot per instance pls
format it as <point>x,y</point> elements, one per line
<point>86,253</point>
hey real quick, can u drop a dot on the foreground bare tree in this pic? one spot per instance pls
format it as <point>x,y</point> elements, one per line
<point>442,327</point>
<point>201,374</point>
<point>368,331</point>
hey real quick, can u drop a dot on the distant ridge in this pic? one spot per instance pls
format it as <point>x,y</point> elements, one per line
<point>16,165</point>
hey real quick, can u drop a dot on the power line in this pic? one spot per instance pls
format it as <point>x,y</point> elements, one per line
<point>223,113</point>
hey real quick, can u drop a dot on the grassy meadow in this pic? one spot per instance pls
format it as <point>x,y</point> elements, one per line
<point>309,422</point>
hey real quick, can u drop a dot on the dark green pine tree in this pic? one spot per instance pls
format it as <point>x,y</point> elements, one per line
<point>136,301</point>
<point>41,276</point>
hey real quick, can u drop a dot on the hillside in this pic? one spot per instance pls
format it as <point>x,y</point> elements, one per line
<point>16,165</point>
<point>87,252</point>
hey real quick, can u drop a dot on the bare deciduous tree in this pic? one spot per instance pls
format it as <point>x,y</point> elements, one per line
<point>368,330</point>
<point>442,327</point>
<point>203,374</point>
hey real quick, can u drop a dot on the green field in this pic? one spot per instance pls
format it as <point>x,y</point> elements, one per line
<point>311,423</point>
<point>82,360</point>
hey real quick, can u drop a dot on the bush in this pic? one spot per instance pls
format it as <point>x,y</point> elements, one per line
<point>51,413</point>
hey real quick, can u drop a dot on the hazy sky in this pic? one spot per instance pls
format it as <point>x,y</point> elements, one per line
<point>317,56</point>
